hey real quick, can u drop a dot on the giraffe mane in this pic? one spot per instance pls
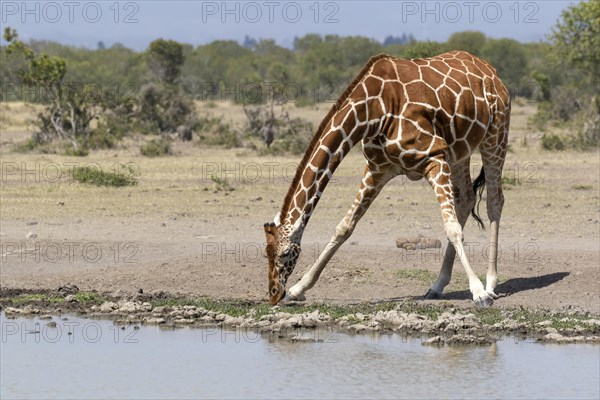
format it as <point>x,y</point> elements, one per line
<point>318,134</point>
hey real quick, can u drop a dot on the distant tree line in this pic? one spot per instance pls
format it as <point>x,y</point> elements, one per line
<point>316,69</point>
<point>153,91</point>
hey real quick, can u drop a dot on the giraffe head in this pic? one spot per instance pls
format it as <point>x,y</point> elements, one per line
<point>282,251</point>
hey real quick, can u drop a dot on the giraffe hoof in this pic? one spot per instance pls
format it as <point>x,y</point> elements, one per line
<point>288,298</point>
<point>485,301</point>
<point>433,295</point>
<point>492,294</point>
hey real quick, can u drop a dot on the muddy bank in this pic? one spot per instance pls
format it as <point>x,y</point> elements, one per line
<point>438,324</point>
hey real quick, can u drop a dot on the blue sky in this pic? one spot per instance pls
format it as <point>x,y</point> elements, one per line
<point>136,23</point>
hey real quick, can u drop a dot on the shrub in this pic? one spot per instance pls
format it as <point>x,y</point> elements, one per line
<point>552,142</point>
<point>26,146</point>
<point>156,148</point>
<point>98,177</point>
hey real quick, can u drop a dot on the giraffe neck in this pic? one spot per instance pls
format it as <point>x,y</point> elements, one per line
<point>318,167</point>
<point>335,137</point>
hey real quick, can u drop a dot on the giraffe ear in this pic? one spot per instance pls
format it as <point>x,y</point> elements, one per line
<point>270,231</point>
<point>277,219</point>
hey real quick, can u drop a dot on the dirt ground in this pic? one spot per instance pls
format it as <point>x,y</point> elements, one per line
<point>174,232</point>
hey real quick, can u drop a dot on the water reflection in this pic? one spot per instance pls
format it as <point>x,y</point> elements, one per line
<point>100,360</point>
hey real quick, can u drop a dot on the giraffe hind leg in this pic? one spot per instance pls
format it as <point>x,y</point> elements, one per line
<point>439,176</point>
<point>464,199</point>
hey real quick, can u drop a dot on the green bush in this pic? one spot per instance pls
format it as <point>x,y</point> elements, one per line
<point>25,147</point>
<point>98,177</point>
<point>213,131</point>
<point>156,148</point>
<point>552,142</point>
<point>76,152</point>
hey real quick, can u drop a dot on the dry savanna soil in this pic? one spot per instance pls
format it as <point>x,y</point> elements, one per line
<point>193,225</point>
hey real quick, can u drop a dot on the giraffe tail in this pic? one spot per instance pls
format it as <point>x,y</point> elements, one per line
<point>478,187</point>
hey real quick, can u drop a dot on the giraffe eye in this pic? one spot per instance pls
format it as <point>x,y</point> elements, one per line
<point>286,253</point>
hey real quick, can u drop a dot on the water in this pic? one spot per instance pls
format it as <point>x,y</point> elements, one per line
<point>99,360</point>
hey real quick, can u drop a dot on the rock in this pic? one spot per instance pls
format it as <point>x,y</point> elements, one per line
<point>31,223</point>
<point>155,321</point>
<point>183,321</point>
<point>31,235</point>
<point>128,306</point>
<point>417,242</point>
<point>303,339</point>
<point>233,321</point>
<point>108,306</point>
<point>45,316</point>
<point>553,337</point>
<point>358,327</point>
<point>71,298</point>
<point>51,324</point>
<point>434,341</point>
<point>68,289</point>
<point>158,310</point>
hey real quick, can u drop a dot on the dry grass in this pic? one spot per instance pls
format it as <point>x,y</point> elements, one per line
<point>183,184</point>
<point>17,116</point>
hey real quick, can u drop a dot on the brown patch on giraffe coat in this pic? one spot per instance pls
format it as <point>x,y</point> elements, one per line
<point>374,107</point>
<point>361,112</point>
<point>461,149</point>
<point>433,78</point>
<point>408,71</point>
<point>373,85</point>
<point>440,66</point>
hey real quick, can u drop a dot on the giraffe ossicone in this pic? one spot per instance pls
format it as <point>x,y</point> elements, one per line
<point>422,118</point>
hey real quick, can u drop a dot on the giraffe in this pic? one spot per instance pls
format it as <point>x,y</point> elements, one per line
<point>423,118</point>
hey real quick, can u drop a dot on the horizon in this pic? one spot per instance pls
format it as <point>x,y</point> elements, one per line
<point>133,23</point>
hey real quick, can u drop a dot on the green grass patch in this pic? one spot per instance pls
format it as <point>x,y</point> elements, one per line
<point>582,187</point>
<point>98,177</point>
<point>221,184</point>
<point>241,308</point>
<point>32,298</point>
<point>418,275</point>
<point>89,297</point>
<point>511,181</point>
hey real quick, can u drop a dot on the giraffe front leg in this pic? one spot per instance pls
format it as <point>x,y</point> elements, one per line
<point>438,175</point>
<point>372,183</point>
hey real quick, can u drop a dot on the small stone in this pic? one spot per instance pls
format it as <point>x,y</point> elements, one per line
<point>51,324</point>
<point>71,298</point>
<point>31,223</point>
<point>108,306</point>
<point>31,235</point>
<point>60,203</point>
<point>436,340</point>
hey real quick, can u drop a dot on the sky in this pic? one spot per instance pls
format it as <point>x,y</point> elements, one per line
<point>136,23</point>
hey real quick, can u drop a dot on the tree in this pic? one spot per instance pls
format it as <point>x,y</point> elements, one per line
<point>509,58</point>
<point>471,41</point>
<point>422,49</point>
<point>70,108</point>
<point>576,39</point>
<point>165,58</point>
